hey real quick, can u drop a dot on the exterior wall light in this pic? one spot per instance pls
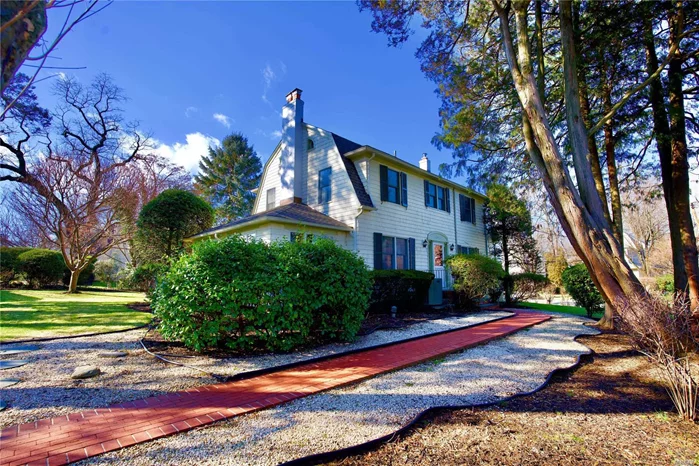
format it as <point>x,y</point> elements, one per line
<point>424,244</point>
<point>451,247</point>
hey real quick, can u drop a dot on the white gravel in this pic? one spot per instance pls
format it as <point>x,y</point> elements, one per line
<point>355,414</point>
<point>47,389</point>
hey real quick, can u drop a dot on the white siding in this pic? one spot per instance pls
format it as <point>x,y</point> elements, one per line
<point>343,205</point>
<point>415,221</point>
<point>283,232</point>
<point>270,179</point>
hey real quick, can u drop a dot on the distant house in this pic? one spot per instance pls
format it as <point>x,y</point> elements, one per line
<point>394,214</point>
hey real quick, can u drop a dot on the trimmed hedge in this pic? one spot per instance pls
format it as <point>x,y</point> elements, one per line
<point>475,276</point>
<point>9,265</point>
<point>582,289</point>
<point>41,267</point>
<point>243,294</point>
<point>405,289</point>
<point>527,285</point>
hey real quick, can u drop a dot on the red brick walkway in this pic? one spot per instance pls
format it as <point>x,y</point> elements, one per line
<point>77,436</point>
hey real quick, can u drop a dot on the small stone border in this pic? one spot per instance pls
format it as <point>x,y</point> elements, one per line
<point>325,457</point>
<point>66,337</point>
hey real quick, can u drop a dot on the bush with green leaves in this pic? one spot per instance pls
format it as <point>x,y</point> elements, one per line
<point>527,285</point>
<point>41,267</point>
<point>665,283</point>
<point>244,295</point>
<point>144,277</point>
<point>475,276</point>
<point>405,289</point>
<point>108,271</point>
<point>582,289</point>
<point>9,265</point>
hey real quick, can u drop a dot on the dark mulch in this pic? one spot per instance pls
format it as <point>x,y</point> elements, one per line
<point>156,343</point>
<point>611,410</point>
<point>140,307</point>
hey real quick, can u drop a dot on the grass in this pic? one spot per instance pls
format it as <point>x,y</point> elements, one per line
<point>28,314</point>
<point>575,310</point>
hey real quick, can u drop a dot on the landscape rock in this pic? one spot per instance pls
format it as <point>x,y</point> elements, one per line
<point>112,354</point>
<point>86,372</point>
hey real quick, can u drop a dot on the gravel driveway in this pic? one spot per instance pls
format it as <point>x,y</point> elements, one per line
<point>47,390</point>
<point>347,416</point>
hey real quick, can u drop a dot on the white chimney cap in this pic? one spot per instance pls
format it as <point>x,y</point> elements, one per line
<point>425,162</point>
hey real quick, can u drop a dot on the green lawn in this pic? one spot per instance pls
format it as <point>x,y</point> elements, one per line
<point>578,311</point>
<point>39,314</point>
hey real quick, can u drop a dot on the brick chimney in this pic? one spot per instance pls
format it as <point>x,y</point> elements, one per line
<point>292,162</point>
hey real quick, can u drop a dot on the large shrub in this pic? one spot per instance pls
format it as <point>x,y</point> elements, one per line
<point>9,265</point>
<point>665,283</point>
<point>41,267</point>
<point>527,285</point>
<point>405,289</point>
<point>474,276</point>
<point>243,294</point>
<point>581,288</point>
<point>108,271</point>
<point>555,266</point>
<point>144,277</point>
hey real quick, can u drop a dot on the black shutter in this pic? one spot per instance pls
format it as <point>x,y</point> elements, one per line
<point>447,199</point>
<point>427,193</point>
<point>404,189</point>
<point>411,253</point>
<point>378,251</point>
<point>473,211</point>
<point>462,207</point>
<point>384,182</point>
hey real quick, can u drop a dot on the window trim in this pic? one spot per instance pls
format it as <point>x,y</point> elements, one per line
<point>321,187</point>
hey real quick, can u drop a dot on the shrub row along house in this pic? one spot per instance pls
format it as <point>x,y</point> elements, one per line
<point>393,214</point>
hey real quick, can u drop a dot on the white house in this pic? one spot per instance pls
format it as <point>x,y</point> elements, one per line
<point>394,214</point>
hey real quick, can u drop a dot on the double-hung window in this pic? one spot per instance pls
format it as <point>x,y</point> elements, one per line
<point>324,186</point>
<point>394,252</point>
<point>271,198</point>
<point>394,186</point>
<point>437,197</point>
<point>467,250</point>
<point>467,208</point>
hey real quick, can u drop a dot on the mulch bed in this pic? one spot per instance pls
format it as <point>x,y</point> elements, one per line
<point>611,410</point>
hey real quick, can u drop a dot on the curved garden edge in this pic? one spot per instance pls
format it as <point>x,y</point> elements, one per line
<point>67,337</point>
<point>320,458</point>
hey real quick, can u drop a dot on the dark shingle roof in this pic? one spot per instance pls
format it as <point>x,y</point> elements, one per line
<point>345,146</point>
<point>294,213</point>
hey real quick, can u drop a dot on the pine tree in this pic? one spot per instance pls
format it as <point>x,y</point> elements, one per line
<point>227,176</point>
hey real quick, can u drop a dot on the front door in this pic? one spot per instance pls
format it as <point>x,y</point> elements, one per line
<point>438,259</point>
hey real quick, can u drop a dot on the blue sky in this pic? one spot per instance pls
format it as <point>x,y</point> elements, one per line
<point>196,71</point>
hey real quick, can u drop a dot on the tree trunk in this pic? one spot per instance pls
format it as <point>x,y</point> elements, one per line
<point>663,142</point>
<point>540,76</point>
<point>507,281</point>
<point>73,286</point>
<point>614,193</point>
<point>679,163</point>
<point>587,229</point>
<point>20,36</point>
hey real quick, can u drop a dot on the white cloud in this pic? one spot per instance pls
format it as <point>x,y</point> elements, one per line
<point>269,76</point>
<point>276,134</point>
<point>225,120</point>
<point>189,111</point>
<point>189,153</point>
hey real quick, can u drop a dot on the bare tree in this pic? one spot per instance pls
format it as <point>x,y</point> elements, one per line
<point>646,227</point>
<point>77,189</point>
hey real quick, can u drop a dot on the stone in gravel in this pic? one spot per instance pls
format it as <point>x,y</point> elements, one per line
<point>12,363</point>
<point>18,349</point>
<point>112,354</point>
<point>86,372</point>
<point>4,383</point>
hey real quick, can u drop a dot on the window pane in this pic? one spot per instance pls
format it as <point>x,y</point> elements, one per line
<point>438,255</point>
<point>440,199</point>
<point>324,190</point>
<point>392,178</point>
<point>325,177</point>
<point>271,198</point>
<point>392,194</point>
<point>401,253</point>
<point>388,252</point>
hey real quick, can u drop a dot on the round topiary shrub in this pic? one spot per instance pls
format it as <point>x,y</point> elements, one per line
<point>245,295</point>
<point>582,289</point>
<point>474,277</point>
<point>41,267</point>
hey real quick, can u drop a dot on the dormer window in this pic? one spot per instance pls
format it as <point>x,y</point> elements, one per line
<point>310,145</point>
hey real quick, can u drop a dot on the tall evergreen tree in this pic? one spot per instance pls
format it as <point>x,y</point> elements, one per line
<point>227,176</point>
